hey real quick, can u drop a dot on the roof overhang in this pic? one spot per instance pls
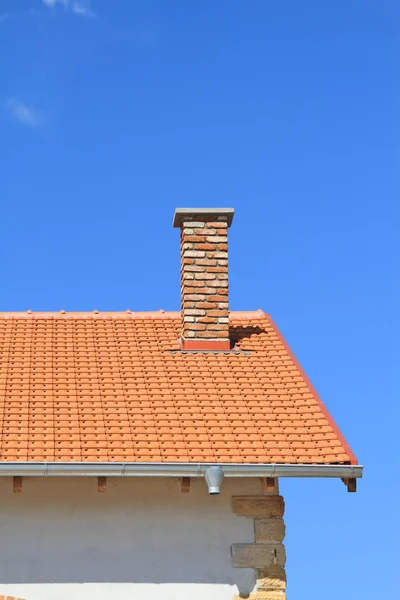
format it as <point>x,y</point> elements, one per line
<point>121,469</point>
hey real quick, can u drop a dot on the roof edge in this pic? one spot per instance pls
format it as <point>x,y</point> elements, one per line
<point>324,410</point>
<point>95,469</point>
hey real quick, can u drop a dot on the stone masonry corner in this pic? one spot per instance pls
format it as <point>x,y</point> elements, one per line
<point>267,553</point>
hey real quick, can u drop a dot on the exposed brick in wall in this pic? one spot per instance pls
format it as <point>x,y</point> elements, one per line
<point>204,281</point>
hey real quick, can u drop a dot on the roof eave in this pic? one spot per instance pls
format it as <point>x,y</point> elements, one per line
<point>127,469</point>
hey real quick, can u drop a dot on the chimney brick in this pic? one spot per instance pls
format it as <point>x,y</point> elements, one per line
<point>204,277</point>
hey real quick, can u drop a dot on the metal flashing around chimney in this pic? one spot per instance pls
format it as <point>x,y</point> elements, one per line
<point>204,277</point>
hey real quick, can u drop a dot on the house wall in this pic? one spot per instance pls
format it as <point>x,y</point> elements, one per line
<point>142,539</point>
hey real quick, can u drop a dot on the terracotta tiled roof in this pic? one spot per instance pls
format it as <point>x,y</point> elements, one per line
<point>116,387</point>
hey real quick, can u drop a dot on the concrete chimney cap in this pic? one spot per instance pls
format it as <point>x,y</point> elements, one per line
<point>210,213</point>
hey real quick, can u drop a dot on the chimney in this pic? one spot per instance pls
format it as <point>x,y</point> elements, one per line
<point>204,277</point>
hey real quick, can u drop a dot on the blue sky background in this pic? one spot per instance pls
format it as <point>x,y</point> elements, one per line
<point>114,113</point>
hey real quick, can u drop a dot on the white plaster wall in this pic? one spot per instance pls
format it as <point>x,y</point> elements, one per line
<point>142,539</point>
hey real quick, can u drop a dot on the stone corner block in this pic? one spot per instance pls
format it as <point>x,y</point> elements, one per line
<point>269,530</point>
<point>263,596</point>
<point>257,556</point>
<point>258,506</point>
<point>271,579</point>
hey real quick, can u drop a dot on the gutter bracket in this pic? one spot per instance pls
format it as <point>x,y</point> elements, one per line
<point>350,483</point>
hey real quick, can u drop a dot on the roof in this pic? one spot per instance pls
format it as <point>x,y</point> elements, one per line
<point>116,387</point>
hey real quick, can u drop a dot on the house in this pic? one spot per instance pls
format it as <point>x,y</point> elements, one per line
<point>141,452</point>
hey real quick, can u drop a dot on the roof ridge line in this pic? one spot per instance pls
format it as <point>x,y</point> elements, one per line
<point>161,314</point>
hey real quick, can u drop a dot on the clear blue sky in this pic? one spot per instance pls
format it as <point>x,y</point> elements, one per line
<point>114,113</point>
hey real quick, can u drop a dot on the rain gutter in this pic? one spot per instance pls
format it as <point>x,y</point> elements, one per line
<point>121,469</point>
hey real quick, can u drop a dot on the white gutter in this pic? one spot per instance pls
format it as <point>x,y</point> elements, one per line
<point>112,469</point>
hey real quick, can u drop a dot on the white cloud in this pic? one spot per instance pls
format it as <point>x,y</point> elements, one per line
<point>54,2</point>
<point>28,115</point>
<point>78,7</point>
<point>83,9</point>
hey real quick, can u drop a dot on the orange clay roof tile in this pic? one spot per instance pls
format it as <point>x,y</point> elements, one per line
<point>116,387</point>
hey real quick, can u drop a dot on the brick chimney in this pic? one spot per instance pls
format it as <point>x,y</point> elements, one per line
<point>204,277</point>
